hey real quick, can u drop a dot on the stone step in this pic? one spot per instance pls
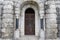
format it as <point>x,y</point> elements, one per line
<point>29,38</point>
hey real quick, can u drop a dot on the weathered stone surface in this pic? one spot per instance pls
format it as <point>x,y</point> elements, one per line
<point>51,36</point>
<point>50,25</point>
<point>17,9</point>
<point>58,34</point>
<point>0,27</point>
<point>17,12</point>
<point>0,21</point>
<point>17,5</point>
<point>7,20</point>
<point>51,39</point>
<point>7,28</point>
<point>51,21</point>
<point>51,31</point>
<point>8,7</point>
<point>52,16</point>
<point>58,21</point>
<point>8,11</point>
<point>0,17</point>
<point>7,16</point>
<point>7,32</point>
<point>7,24</point>
<point>52,6</point>
<point>0,10</point>
<point>51,11</point>
<point>58,26</point>
<point>41,13</point>
<point>8,3</point>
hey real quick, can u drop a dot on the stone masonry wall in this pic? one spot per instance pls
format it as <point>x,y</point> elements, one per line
<point>7,10</point>
<point>0,18</point>
<point>7,20</point>
<point>51,23</point>
<point>58,16</point>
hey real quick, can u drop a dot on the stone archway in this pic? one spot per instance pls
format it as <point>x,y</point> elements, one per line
<point>23,6</point>
<point>37,19</point>
<point>36,30</point>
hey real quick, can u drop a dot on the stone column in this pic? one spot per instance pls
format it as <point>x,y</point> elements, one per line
<point>7,20</point>
<point>1,18</point>
<point>17,16</point>
<point>51,22</point>
<point>41,12</point>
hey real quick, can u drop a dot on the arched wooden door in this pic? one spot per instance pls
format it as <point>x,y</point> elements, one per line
<point>29,22</point>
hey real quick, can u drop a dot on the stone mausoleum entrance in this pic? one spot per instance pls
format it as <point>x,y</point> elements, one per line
<point>29,21</point>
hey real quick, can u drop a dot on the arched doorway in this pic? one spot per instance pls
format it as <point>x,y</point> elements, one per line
<point>29,21</point>
<point>27,10</point>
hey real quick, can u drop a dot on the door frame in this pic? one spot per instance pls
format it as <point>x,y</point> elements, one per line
<point>37,20</point>
<point>28,28</point>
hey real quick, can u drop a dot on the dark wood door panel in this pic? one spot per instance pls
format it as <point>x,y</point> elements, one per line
<point>29,24</point>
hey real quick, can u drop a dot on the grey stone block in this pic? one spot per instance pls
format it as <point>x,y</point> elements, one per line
<point>17,5</point>
<point>8,3</point>
<point>7,20</point>
<point>7,25</point>
<point>8,33</point>
<point>0,16</point>
<point>51,39</point>
<point>49,25</point>
<point>8,7</point>
<point>58,28</point>
<point>7,16</point>
<point>51,31</point>
<point>1,6</point>
<point>8,11</point>
<point>52,16</point>
<point>51,21</point>
<point>58,21</point>
<point>51,36</point>
<point>1,2</point>
<point>58,18</point>
<point>58,34</point>
<point>0,22</point>
<point>0,10</point>
<point>17,11</point>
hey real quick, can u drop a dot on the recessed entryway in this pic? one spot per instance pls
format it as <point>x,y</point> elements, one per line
<point>29,21</point>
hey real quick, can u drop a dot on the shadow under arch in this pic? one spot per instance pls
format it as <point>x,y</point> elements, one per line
<point>29,10</point>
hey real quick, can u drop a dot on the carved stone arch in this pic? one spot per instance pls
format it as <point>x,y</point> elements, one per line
<point>29,3</point>
<point>35,7</point>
